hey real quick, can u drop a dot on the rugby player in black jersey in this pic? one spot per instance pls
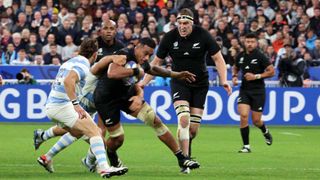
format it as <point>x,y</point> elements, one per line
<point>255,66</point>
<point>116,92</point>
<point>188,46</point>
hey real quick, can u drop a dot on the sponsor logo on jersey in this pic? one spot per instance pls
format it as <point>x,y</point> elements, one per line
<point>260,108</point>
<point>196,46</point>
<point>186,53</point>
<point>176,95</point>
<point>175,45</point>
<point>254,61</point>
<point>100,52</point>
<point>247,67</point>
<point>108,121</point>
<point>241,60</point>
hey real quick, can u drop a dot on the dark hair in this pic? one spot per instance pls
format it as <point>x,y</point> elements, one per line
<point>88,47</point>
<point>186,11</point>
<point>251,35</point>
<point>148,41</point>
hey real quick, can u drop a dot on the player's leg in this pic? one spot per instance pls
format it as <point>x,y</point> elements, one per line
<point>102,126</point>
<point>148,116</point>
<point>257,109</point>
<point>244,110</point>
<point>198,99</point>
<point>114,142</point>
<point>40,136</point>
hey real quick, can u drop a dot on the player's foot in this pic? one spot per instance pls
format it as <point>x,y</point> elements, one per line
<point>185,170</point>
<point>268,137</point>
<point>47,164</point>
<point>37,139</point>
<point>88,165</point>
<point>244,150</point>
<point>112,171</point>
<point>189,163</point>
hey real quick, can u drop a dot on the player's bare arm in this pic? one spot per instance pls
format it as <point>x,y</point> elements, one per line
<point>222,71</point>
<point>116,71</point>
<point>148,77</point>
<point>269,72</point>
<point>70,87</point>
<point>183,75</point>
<point>101,66</point>
<point>235,71</point>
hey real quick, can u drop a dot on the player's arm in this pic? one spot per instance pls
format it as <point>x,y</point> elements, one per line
<point>70,87</point>
<point>235,71</point>
<point>100,67</point>
<point>148,77</point>
<point>163,72</point>
<point>222,70</point>
<point>268,72</point>
<point>115,71</point>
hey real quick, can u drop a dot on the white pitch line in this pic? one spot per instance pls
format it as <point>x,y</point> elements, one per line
<point>290,134</point>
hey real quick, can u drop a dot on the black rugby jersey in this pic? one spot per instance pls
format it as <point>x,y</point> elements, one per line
<point>255,62</point>
<point>189,54</point>
<point>105,49</point>
<point>110,88</point>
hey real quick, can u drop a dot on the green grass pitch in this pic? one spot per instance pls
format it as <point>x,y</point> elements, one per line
<point>295,154</point>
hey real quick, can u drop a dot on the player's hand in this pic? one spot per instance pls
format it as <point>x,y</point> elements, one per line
<point>119,59</point>
<point>81,112</point>
<point>234,81</point>
<point>184,75</point>
<point>141,84</point>
<point>141,73</point>
<point>227,87</point>
<point>136,103</point>
<point>1,81</point>
<point>250,76</point>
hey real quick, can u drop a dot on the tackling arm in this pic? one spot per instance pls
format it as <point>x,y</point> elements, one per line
<point>101,66</point>
<point>70,84</point>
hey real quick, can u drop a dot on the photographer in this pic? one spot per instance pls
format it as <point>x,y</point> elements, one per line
<point>24,77</point>
<point>291,68</point>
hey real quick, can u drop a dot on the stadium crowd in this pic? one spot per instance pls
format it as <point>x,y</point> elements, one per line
<point>49,32</point>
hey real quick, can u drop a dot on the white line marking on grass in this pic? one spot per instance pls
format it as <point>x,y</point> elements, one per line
<point>290,134</point>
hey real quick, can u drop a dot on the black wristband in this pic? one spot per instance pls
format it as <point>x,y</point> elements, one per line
<point>136,71</point>
<point>75,102</point>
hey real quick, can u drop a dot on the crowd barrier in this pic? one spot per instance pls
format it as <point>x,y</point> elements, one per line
<point>49,72</point>
<point>284,106</point>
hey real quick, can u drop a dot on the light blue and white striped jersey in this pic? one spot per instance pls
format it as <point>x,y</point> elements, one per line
<point>86,99</point>
<point>78,64</point>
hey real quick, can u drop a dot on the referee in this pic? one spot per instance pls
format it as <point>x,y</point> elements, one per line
<point>255,66</point>
<point>188,46</point>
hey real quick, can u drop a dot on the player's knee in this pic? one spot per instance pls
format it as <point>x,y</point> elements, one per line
<point>117,133</point>
<point>256,122</point>
<point>183,114</point>
<point>117,141</point>
<point>147,115</point>
<point>244,117</point>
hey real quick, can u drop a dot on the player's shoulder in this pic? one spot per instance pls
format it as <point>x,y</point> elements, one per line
<point>172,34</point>
<point>119,44</point>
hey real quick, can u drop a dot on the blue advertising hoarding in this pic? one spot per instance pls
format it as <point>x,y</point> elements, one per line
<point>284,106</point>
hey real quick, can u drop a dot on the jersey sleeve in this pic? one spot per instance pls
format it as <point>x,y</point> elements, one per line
<point>163,48</point>
<point>81,70</point>
<point>236,63</point>
<point>265,61</point>
<point>212,46</point>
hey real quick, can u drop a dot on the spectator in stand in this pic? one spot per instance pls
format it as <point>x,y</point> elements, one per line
<point>69,49</point>
<point>17,42</point>
<point>5,38</point>
<point>267,10</point>
<point>75,25</point>
<point>44,12</point>
<point>63,14</point>
<point>56,61</point>
<point>36,22</point>
<point>271,54</point>
<point>315,52</point>
<point>21,23</point>
<point>38,60</point>
<point>84,32</point>
<point>127,37</point>
<point>53,53</point>
<point>278,42</point>
<point>64,30</point>
<point>311,38</point>
<point>315,21</point>
<point>33,43</point>
<point>25,35</point>
<point>51,39</point>
<point>172,20</point>
<point>6,22</point>
<point>139,20</point>
<point>55,21</point>
<point>22,58</point>
<point>42,36</point>
<point>278,23</point>
<point>9,55</point>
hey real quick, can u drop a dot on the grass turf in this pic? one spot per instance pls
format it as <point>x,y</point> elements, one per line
<point>295,154</point>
